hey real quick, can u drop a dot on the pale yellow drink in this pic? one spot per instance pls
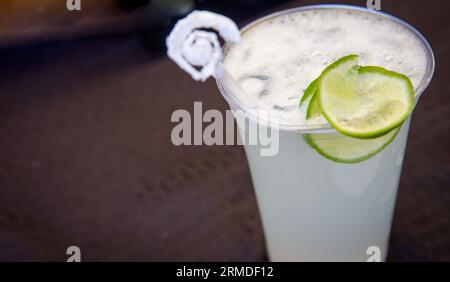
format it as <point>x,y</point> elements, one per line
<point>312,208</point>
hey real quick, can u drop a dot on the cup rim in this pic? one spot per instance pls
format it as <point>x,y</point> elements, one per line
<point>327,128</point>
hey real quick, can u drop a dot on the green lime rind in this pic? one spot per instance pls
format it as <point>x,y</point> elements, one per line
<point>353,59</point>
<point>352,83</point>
<point>312,87</point>
<point>313,110</point>
<point>329,145</point>
<point>309,92</point>
<point>341,148</point>
<point>325,147</point>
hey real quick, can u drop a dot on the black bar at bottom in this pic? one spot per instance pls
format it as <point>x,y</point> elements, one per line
<point>221,271</point>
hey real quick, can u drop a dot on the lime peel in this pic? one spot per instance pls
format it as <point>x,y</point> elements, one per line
<point>356,147</point>
<point>309,92</point>
<point>349,150</point>
<point>385,98</point>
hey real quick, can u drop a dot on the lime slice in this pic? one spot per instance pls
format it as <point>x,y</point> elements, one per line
<point>364,102</point>
<point>313,111</point>
<point>309,92</point>
<point>341,148</point>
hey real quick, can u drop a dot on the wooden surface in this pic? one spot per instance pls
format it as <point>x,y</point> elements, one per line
<point>27,21</point>
<point>86,157</point>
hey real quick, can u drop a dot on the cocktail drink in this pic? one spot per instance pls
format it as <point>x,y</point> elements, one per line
<point>323,196</point>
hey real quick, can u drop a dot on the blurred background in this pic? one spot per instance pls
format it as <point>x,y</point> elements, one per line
<point>85,152</point>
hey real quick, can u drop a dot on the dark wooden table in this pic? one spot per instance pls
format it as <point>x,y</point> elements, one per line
<point>86,157</point>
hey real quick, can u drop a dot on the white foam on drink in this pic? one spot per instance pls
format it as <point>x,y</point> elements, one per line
<point>291,50</point>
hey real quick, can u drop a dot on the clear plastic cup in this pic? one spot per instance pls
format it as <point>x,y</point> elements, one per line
<point>315,209</point>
